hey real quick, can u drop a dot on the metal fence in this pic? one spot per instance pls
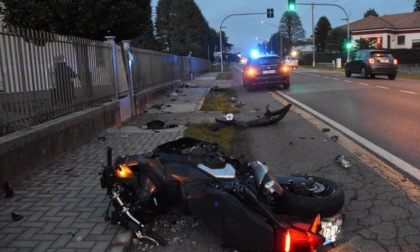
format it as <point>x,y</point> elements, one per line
<point>45,75</point>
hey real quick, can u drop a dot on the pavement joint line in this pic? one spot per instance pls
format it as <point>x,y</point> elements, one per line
<point>389,157</point>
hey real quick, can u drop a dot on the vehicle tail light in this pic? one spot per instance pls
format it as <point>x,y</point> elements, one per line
<point>287,242</point>
<point>251,71</point>
<point>284,68</point>
<point>371,61</point>
<point>315,224</point>
<point>302,236</point>
<point>395,62</point>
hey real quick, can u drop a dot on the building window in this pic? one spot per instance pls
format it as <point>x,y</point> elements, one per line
<point>416,44</point>
<point>401,40</point>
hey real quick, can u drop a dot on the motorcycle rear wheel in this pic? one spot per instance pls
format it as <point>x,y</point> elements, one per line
<point>327,202</point>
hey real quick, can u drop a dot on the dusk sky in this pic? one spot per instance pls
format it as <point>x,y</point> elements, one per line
<point>243,31</point>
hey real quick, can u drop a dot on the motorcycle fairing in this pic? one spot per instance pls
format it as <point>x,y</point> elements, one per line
<point>269,118</point>
<point>227,172</point>
<point>228,217</point>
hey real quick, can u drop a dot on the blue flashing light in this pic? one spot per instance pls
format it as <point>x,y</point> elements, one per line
<point>254,54</point>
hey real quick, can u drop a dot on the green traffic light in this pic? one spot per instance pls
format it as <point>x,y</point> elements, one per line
<point>292,5</point>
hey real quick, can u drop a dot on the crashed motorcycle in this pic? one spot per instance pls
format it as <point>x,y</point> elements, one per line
<point>242,202</point>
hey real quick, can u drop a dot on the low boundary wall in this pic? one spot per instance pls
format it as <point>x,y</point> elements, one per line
<point>24,152</point>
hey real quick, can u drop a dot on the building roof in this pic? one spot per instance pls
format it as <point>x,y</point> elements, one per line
<point>394,22</point>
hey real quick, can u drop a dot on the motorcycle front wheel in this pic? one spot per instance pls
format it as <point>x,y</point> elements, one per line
<point>322,197</point>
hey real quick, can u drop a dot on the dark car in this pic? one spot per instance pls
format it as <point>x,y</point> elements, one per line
<point>369,63</point>
<point>265,71</point>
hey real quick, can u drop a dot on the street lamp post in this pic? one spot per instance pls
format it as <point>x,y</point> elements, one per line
<point>347,18</point>
<point>221,24</point>
<point>280,36</point>
<point>221,48</point>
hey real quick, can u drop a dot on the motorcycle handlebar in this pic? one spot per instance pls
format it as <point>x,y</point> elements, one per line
<point>138,226</point>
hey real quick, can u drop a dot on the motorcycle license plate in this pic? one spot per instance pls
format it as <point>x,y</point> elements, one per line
<point>332,228</point>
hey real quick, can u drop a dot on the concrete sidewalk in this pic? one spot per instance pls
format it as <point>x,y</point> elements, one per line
<point>63,205</point>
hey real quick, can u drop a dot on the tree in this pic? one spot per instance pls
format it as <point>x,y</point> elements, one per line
<point>364,44</point>
<point>181,28</point>
<point>125,19</point>
<point>321,32</point>
<point>371,12</point>
<point>336,40</point>
<point>417,6</point>
<point>190,31</point>
<point>275,44</point>
<point>291,28</point>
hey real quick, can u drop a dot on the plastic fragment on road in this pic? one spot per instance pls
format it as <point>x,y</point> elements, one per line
<point>340,159</point>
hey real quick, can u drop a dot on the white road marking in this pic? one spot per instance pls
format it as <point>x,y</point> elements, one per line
<point>348,81</point>
<point>336,79</point>
<point>364,84</point>
<point>396,161</point>
<point>382,87</point>
<point>407,92</point>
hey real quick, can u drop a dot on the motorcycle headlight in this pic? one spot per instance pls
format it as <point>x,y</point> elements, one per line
<point>123,171</point>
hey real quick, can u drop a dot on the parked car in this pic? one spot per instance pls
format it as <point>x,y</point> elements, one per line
<point>369,63</point>
<point>291,62</point>
<point>266,70</point>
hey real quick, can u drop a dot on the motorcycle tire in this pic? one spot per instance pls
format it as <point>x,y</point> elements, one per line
<point>326,205</point>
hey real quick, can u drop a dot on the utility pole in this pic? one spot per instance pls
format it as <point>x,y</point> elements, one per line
<point>270,14</point>
<point>313,31</point>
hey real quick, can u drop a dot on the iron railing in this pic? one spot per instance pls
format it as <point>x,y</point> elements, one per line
<point>45,75</point>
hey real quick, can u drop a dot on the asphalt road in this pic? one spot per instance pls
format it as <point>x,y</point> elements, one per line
<point>382,206</point>
<point>385,112</point>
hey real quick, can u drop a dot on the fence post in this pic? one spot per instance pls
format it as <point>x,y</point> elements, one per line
<point>111,40</point>
<point>129,66</point>
<point>190,65</point>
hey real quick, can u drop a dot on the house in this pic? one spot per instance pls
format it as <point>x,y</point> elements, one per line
<point>396,31</point>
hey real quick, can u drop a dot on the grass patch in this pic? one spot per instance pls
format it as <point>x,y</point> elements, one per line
<point>408,76</point>
<point>213,133</point>
<point>224,76</point>
<point>219,101</point>
<point>218,68</point>
<point>215,68</point>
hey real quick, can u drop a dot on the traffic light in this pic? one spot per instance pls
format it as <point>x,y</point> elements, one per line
<point>349,45</point>
<point>270,13</point>
<point>292,5</point>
